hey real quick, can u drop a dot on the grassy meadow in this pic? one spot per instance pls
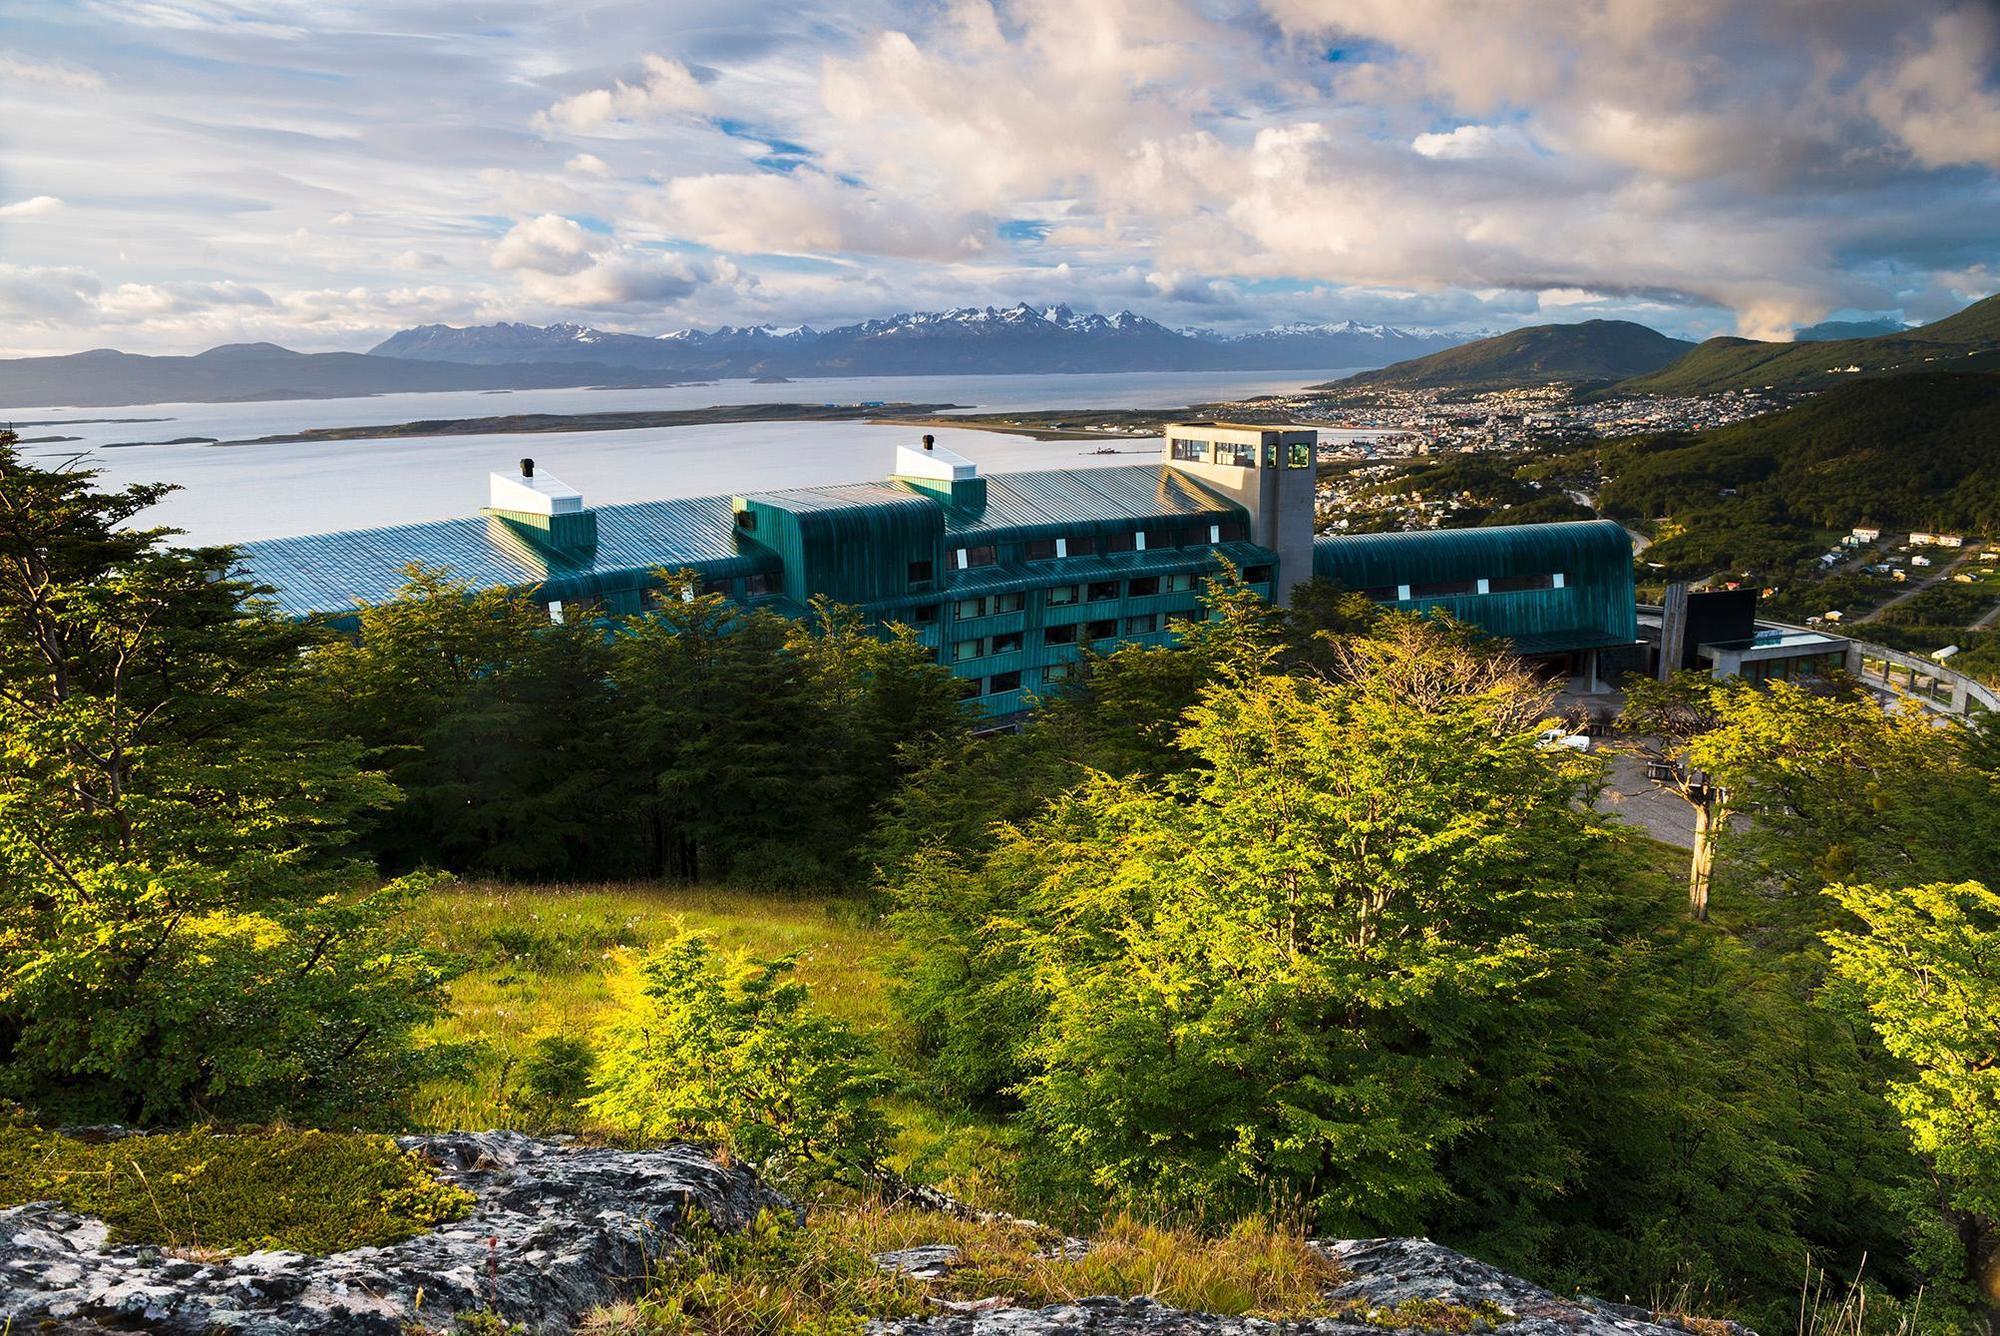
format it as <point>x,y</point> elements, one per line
<point>543,961</point>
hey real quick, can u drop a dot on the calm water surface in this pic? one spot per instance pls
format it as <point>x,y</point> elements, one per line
<point>242,493</point>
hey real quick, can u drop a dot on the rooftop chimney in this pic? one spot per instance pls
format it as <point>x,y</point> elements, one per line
<point>527,468</point>
<point>930,442</point>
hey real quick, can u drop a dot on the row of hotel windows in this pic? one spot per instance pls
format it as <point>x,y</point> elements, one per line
<point>1062,596</point>
<point>1075,633</point>
<point>1504,584</point>
<point>1001,683</point>
<point>1298,454</point>
<point>1087,545</point>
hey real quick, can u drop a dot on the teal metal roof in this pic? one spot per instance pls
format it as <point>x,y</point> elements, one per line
<point>1068,497</point>
<point>330,573</point>
<point>1019,504</point>
<point>1364,560</point>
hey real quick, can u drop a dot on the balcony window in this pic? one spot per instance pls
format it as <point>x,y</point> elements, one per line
<point>1100,590</point>
<point>1301,456</point>
<point>1003,682</point>
<point>1104,630</point>
<point>1144,587</point>
<point>1060,635</point>
<point>1118,542</point>
<point>1234,531</point>
<point>924,614</point>
<point>1443,589</point>
<point>1381,593</point>
<point>1007,643</point>
<point>1039,549</point>
<point>1514,584</point>
<point>1189,451</point>
<point>758,582</point>
<point>1180,582</point>
<point>1062,594</point>
<point>968,608</point>
<point>967,649</point>
<point>1158,540</point>
<point>1195,536</point>
<point>1081,546</point>
<point>1256,574</point>
<point>1143,625</point>
<point>985,555</point>
<point>1008,602</point>
<point>1058,672</point>
<point>921,574</point>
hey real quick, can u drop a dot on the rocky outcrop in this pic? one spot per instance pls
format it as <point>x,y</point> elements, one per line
<point>1394,1285</point>
<point>557,1229</point>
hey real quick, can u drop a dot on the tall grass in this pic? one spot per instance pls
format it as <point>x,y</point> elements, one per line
<point>537,963</point>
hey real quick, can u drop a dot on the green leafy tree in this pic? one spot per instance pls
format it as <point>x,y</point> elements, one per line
<point>182,929</point>
<point>497,727</point>
<point>1281,972</point>
<point>728,1051</point>
<point>1924,963</point>
<point>713,711</point>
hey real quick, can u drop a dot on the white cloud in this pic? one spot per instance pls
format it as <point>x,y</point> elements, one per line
<point>550,244</point>
<point>1942,97</point>
<point>810,212</point>
<point>1470,141</point>
<point>16,68</point>
<point>667,88</point>
<point>587,164</point>
<point>32,207</point>
<point>416,259</point>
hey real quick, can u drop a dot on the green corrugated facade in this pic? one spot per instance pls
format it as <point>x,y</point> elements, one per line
<point>1576,579</point>
<point>1009,583</point>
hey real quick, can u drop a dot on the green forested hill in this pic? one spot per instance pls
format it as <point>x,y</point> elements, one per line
<point>1919,451</point>
<point>1592,352</point>
<point>1968,341</point>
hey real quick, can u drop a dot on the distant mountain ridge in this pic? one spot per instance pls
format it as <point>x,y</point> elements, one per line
<point>1592,352</point>
<point>1967,341</point>
<point>964,340</point>
<point>242,372</point>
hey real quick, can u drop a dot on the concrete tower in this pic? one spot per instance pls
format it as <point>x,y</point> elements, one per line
<point>1270,472</point>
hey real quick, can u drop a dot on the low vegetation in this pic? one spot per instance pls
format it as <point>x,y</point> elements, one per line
<point>1294,920</point>
<point>778,1277</point>
<point>204,1193</point>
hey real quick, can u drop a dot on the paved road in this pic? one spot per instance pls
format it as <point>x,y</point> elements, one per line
<point>1916,587</point>
<point>1638,801</point>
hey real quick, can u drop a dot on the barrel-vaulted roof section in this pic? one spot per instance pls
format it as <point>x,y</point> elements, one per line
<point>1592,608</point>
<point>1368,559</point>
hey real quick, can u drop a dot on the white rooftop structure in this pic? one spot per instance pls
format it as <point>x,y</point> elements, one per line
<point>531,493</point>
<point>934,462</point>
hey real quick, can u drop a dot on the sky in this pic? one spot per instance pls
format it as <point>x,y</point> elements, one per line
<point>176,174</point>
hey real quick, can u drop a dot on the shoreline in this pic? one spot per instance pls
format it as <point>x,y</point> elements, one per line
<point>532,424</point>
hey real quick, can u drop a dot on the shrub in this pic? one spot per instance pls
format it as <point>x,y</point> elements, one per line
<point>723,1049</point>
<point>311,1192</point>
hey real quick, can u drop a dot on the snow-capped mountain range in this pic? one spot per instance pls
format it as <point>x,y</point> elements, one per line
<point>969,339</point>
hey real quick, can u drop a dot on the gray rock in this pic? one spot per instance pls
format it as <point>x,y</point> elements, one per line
<point>926,1263</point>
<point>1385,1273</point>
<point>557,1230</point>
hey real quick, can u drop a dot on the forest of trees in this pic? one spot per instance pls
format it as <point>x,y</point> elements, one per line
<point>1298,917</point>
